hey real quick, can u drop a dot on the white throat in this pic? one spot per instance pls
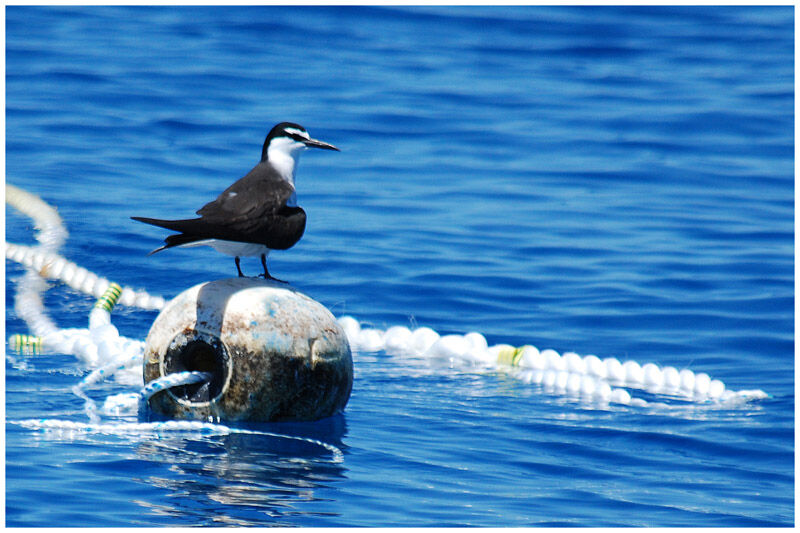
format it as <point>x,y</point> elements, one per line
<point>282,154</point>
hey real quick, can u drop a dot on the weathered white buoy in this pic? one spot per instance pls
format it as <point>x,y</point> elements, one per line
<point>274,353</point>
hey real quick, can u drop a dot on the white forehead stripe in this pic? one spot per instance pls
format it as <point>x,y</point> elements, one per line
<point>297,132</point>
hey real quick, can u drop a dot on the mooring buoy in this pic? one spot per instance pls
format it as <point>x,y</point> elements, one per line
<point>273,353</point>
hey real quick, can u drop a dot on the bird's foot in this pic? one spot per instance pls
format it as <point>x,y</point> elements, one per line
<point>268,277</point>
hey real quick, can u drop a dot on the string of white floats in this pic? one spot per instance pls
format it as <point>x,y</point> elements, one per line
<point>591,378</point>
<point>95,345</point>
<point>51,236</point>
<point>98,345</point>
<point>53,266</point>
<point>102,348</point>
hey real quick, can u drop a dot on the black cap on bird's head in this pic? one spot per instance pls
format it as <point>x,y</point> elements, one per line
<point>289,137</point>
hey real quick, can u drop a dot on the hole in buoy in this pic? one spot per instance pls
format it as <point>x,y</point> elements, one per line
<point>201,353</point>
<point>199,356</point>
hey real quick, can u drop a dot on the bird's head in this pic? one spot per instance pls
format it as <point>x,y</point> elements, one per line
<point>289,140</point>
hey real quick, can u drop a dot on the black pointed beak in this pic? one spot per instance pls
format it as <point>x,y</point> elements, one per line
<point>313,143</point>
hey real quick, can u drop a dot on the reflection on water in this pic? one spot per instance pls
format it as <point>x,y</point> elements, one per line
<point>235,479</point>
<point>267,476</point>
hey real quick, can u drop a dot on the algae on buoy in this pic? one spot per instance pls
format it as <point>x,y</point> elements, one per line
<point>273,352</point>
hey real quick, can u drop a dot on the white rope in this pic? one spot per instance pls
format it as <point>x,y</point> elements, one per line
<point>173,380</point>
<point>68,429</point>
<point>128,403</point>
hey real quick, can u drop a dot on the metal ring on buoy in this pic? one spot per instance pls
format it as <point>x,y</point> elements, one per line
<point>198,352</point>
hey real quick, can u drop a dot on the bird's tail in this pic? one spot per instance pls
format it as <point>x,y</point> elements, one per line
<point>180,239</point>
<point>174,225</point>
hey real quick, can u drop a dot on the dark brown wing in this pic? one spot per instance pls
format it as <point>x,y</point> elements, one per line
<point>251,210</point>
<point>283,229</point>
<point>261,192</point>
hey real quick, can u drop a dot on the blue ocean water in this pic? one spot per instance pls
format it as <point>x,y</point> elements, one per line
<point>615,181</point>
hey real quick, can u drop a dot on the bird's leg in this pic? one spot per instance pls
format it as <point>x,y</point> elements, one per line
<point>266,272</point>
<point>238,267</point>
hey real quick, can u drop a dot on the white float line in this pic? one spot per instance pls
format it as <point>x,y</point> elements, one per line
<point>51,235</point>
<point>569,373</point>
<point>69,429</point>
<point>99,345</point>
<point>53,266</point>
<point>29,306</point>
<point>52,232</point>
<point>101,341</point>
